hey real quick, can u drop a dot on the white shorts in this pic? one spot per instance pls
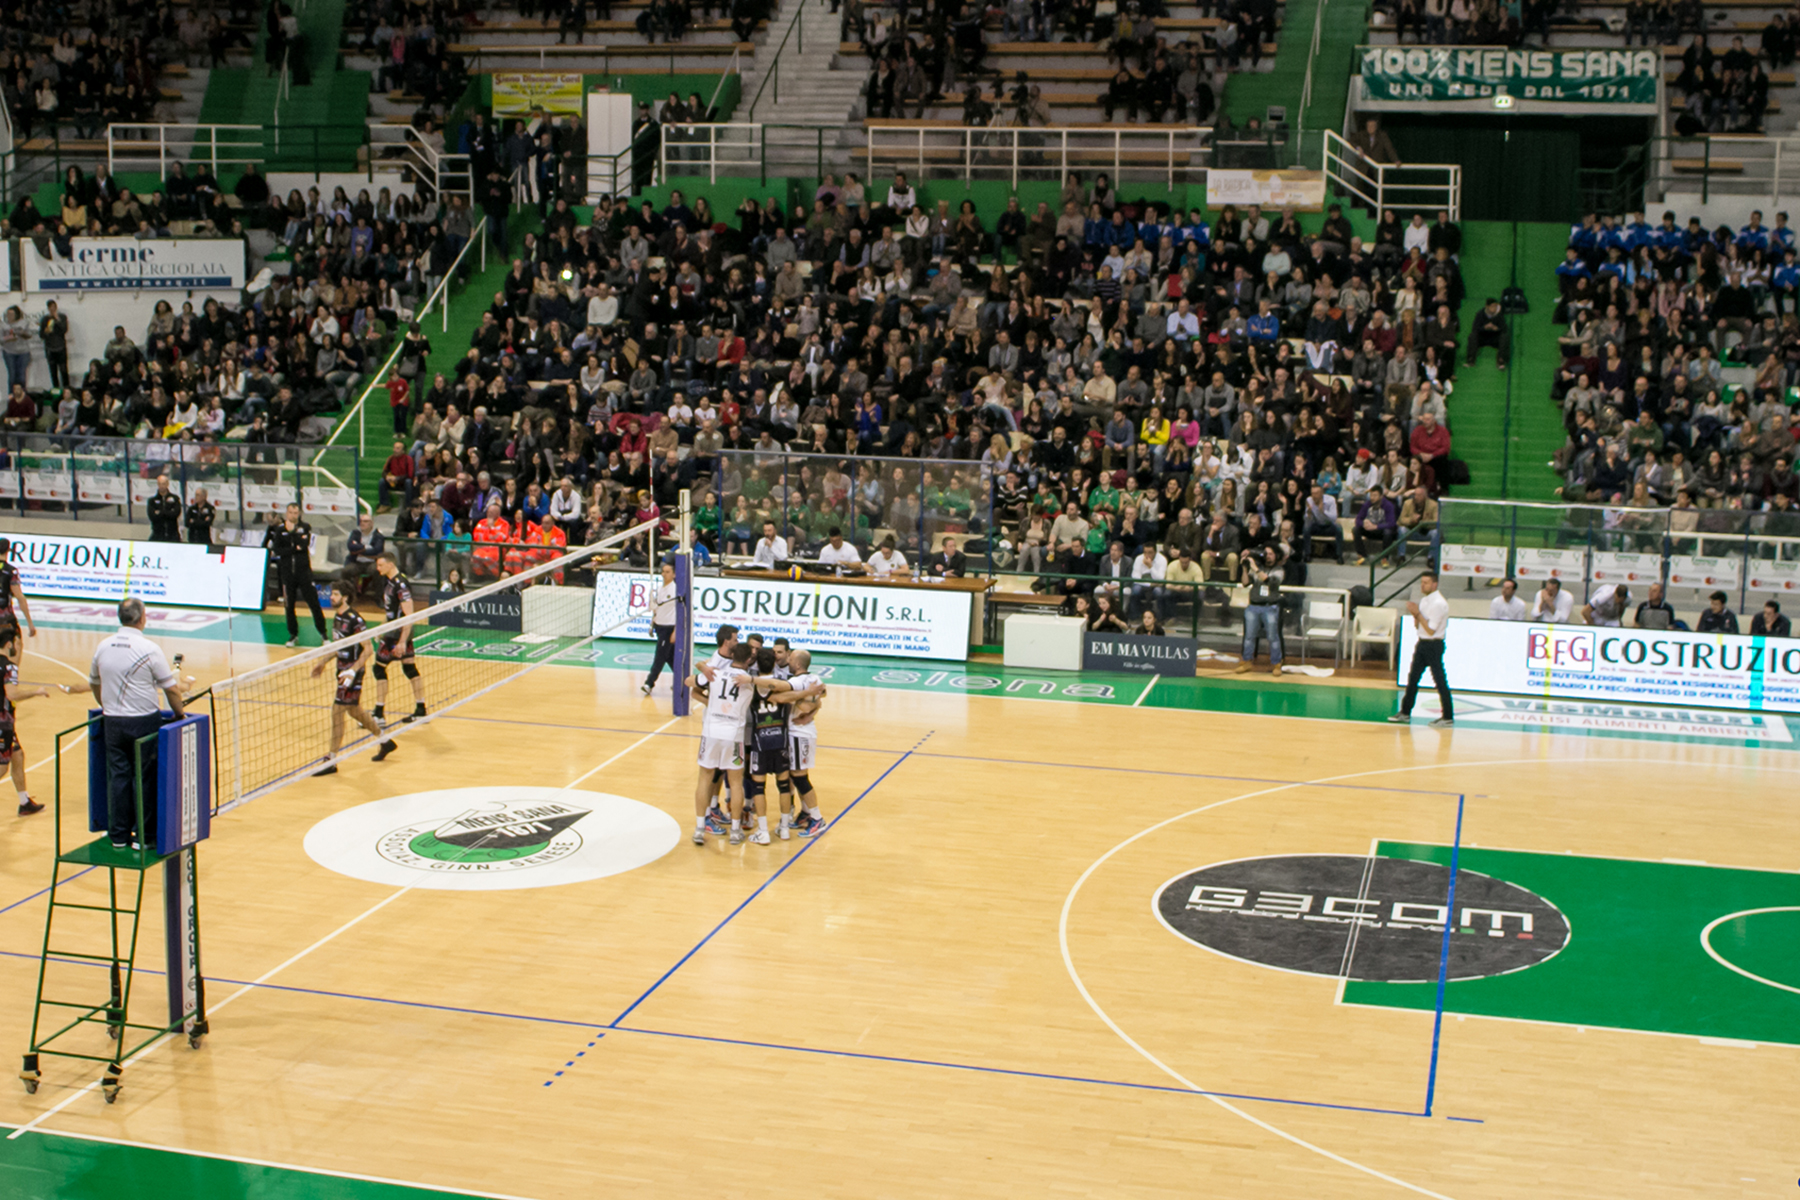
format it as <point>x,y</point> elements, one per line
<point>800,753</point>
<point>721,753</point>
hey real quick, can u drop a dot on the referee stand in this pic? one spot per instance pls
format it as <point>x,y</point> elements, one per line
<point>167,834</point>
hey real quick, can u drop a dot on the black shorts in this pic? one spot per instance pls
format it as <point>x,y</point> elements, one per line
<point>9,742</point>
<point>350,693</point>
<point>389,651</point>
<point>768,754</point>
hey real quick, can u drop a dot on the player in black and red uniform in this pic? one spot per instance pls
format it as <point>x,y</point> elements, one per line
<point>396,602</point>
<point>11,595</point>
<point>12,755</point>
<point>352,657</point>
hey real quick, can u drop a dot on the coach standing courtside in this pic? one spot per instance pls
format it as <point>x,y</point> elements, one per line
<point>290,547</point>
<point>128,673</point>
<point>1431,617</point>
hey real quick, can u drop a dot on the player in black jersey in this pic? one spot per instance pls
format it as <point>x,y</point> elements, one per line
<point>396,602</point>
<point>351,660</point>
<point>12,755</point>
<point>766,740</point>
<point>12,593</point>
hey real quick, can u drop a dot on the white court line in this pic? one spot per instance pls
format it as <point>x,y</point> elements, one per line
<point>274,971</point>
<point>1146,692</point>
<point>278,1166</point>
<point>1706,945</point>
<point>59,662</point>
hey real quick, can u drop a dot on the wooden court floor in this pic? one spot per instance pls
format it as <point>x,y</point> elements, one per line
<point>962,989</point>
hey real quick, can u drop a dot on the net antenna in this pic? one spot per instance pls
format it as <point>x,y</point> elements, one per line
<point>683,666</point>
<point>273,724</point>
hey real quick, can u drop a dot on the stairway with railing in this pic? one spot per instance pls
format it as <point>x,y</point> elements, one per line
<point>312,115</point>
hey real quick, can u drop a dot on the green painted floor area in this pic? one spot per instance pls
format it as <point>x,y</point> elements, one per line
<point>1634,958</point>
<point>1509,461</point>
<point>48,1166</point>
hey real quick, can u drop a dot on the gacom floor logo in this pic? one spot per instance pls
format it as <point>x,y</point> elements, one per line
<point>501,835</point>
<point>1361,918</point>
<point>492,838</point>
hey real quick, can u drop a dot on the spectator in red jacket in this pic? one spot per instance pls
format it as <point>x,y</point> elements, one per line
<point>1431,446</point>
<point>397,478</point>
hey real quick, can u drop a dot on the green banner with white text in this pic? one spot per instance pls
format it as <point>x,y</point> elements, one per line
<point>1439,74</point>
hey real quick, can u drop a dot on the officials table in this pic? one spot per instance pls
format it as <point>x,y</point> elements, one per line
<point>976,586</point>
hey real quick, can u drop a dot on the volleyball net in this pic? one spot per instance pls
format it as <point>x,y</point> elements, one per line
<point>273,725</point>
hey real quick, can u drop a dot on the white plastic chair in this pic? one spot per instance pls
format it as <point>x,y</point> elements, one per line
<point>1323,617</point>
<point>1375,626</point>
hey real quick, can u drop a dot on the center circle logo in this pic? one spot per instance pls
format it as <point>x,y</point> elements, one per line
<point>492,838</point>
<point>1361,918</point>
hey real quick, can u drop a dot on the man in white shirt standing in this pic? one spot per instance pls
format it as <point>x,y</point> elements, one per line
<point>1507,606</point>
<point>130,678</point>
<point>771,550</point>
<point>1431,618</point>
<point>1148,571</point>
<point>1553,605</point>
<point>839,555</point>
<point>887,560</point>
<point>803,745</point>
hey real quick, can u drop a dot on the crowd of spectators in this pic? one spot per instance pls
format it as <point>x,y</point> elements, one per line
<point>917,55</point>
<point>1116,373</point>
<point>1655,316</point>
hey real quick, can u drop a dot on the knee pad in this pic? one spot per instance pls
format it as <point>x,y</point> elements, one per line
<point>379,670</point>
<point>753,787</point>
<point>784,785</point>
<point>409,670</point>
<point>801,783</point>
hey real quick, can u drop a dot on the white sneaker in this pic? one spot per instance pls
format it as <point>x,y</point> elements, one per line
<point>737,837</point>
<point>760,838</point>
<point>293,641</point>
<point>644,688</point>
<point>699,837</point>
<point>787,832</point>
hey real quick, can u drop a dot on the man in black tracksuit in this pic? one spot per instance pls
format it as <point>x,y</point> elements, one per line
<point>290,550</point>
<point>164,511</point>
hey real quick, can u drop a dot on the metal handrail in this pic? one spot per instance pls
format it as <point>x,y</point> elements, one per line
<point>734,67</point>
<point>1312,56</point>
<point>1010,149</point>
<point>378,377</point>
<point>118,145</point>
<point>774,58</point>
<point>1350,170</point>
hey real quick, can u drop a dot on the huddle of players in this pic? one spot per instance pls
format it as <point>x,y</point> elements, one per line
<point>12,689</point>
<point>758,724</point>
<point>354,657</point>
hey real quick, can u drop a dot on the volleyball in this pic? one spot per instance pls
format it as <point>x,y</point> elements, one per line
<point>796,572</point>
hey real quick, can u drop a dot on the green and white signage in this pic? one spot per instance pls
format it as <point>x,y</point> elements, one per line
<point>1455,76</point>
<point>492,838</point>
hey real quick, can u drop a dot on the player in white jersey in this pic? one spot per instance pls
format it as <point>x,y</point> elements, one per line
<point>803,742</point>
<point>727,637</point>
<point>722,741</point>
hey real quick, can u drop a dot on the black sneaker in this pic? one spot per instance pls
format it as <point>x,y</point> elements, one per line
<point>387,748</point>
<point>331,770</point>
<point>378,714</point>
<point>417,712</point>
<point>29,807</point>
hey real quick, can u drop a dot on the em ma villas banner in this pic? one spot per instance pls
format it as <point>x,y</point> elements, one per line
<point>122,263</point>
<point>1561,81</point>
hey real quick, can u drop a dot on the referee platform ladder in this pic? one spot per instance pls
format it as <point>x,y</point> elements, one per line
<point>84,1004</point>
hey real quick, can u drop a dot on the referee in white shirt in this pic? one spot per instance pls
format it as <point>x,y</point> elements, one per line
<point>839,555</point>
<point>662,623</point>
<point>1431,617</point>
<point>130,678</point>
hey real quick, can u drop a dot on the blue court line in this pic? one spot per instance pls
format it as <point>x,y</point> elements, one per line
<point>44,890</point>
<point>779,872</point>
<point>1017,762</point>
<point>600,1031</point>
<point>1437,1020</point>
<point>1469,1120</point>
<point>928,1062</point>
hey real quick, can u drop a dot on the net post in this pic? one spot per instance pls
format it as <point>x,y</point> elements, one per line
<point>683,665</point>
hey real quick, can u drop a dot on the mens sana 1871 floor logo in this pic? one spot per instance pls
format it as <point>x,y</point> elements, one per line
<point>1364,918</point>
<point>492,838</point>
<point>501,835</point>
